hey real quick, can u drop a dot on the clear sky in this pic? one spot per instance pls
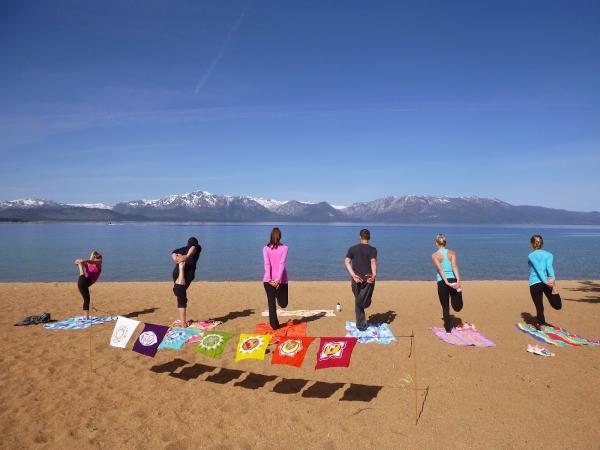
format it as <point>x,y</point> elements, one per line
<point>338,101</point>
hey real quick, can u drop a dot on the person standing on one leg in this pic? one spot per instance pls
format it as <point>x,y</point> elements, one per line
<point>361,263</point>
<point>448,280</point>
<point>542,279</point>
<point>185,259</point>
<point>89,272</point>
<point>275,279</point>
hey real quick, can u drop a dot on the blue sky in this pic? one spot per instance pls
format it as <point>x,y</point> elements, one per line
<point>337,101</point>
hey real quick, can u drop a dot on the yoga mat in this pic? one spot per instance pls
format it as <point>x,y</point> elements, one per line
<point>289,329</point>
<point>466,337</point>
<point>379,333</point>
<point>556,336</point>
<point>301,312</point>
<point>78,323</point>
<point>198,325</point>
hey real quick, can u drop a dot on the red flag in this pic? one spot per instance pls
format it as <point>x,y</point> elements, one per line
<point>335,352</point>
<point>291,350</point>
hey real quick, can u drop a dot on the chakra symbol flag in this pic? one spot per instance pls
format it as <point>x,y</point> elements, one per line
<point>213,343</point>
<point>123,331</point>
<point>291,351</point>
<point>335,352</point>
<point>176,337</point>
<point>150,338</point>
<point>252,346</point>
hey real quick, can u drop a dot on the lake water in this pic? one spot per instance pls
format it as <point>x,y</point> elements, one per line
<point>136,252</point>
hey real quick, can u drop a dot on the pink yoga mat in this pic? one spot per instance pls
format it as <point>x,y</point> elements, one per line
<point>463,337</point>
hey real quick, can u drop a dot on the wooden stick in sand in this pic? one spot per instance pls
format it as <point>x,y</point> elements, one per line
<point>414,367</point>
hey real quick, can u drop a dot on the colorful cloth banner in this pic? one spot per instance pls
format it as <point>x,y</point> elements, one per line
<point>291,351</point>
<point>149,339</point>
<point>203,325</point>
<point>252,346</point>
<point>123,331</point>
<point>176,337</point>
<point>213,343</point>
<point>335,352</point>
<point>380,333</point>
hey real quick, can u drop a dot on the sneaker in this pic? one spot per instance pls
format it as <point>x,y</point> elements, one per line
<point>466,326</point>
<point>537,350</point>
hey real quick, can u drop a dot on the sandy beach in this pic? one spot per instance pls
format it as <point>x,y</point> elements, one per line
<point>70,389</point>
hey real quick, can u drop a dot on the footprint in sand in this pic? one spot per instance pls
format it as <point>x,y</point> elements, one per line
<point>177,445</point>
<point>40,438</point>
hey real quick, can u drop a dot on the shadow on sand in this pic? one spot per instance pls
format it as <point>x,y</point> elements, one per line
<point>220,375</point>
<point>309,318</point>
<point>451,321</point>
<point>528,318</point>
<point>233,315</point>
<point>141,312</point>
<point>591,287</point>
<point>386,317</point>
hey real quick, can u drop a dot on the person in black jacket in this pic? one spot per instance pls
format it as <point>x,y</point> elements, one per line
<point>185,259</point>
<point>361,263</point>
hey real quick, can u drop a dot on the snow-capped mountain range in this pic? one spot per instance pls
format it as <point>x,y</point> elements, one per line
<point>205,206</point>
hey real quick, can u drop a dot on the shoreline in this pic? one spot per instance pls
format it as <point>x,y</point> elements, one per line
<point>344,282</point>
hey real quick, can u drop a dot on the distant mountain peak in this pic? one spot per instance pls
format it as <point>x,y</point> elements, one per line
<point>205,206</point>
<point>27,203</point>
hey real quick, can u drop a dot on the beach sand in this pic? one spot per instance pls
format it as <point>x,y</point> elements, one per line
<point>70,389</point>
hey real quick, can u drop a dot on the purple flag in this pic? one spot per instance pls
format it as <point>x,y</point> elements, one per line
<point>149,339</point>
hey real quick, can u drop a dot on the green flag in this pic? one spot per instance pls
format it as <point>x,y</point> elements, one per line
<point>213,343</point>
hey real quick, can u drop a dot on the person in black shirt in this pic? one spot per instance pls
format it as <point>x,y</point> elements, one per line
<point>361,262</point>
<point>185,259</point>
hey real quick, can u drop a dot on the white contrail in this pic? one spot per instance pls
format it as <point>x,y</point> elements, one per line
<point>215,61</point>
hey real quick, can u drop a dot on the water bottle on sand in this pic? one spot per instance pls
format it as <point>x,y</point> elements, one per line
<point>338,307</point>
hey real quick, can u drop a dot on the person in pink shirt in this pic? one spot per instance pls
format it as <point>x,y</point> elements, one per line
<point>89,272</point>
<point>275,278</point>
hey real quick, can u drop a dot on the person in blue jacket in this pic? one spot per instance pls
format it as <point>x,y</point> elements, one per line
<point>542,279</point>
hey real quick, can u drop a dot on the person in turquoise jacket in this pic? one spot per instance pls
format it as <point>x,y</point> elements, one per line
<point>542,279</point>
<point>448,280</point>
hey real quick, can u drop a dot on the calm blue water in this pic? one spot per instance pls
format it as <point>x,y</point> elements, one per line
<point>45,252</point>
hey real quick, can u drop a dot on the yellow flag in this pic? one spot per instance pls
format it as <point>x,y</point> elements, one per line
<point>252,346</point>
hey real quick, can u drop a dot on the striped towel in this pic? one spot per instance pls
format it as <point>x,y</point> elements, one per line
<point>464,337</point>
<point>556,336</point>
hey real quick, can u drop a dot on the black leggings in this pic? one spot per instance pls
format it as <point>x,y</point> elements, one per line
<point>180,290</point>
<point>449,295</point>
<point>363,293</point>
<point>537,291</point>
<point>84,289</point>
<point>276,296</point>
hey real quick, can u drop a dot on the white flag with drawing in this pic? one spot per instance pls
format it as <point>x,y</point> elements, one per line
<point>123,331</point>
